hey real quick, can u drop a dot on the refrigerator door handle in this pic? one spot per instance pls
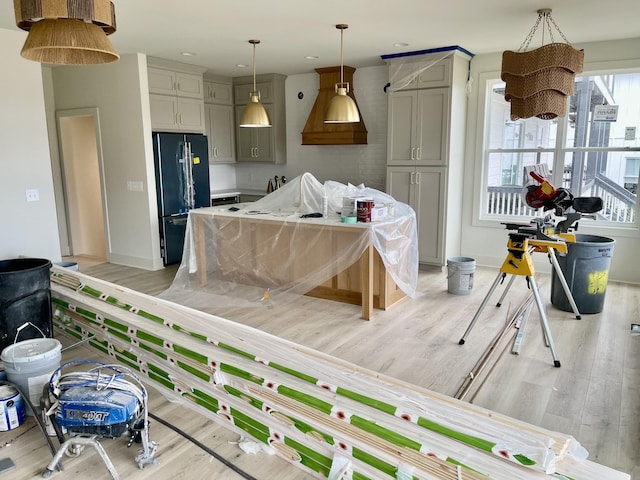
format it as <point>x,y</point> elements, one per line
<point>177,221</point>
<point>190,187</point>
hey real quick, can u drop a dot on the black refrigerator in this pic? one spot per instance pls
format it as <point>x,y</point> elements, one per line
<point>182,183</point>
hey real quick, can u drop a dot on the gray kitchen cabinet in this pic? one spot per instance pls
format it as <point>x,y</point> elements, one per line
<point>218,92</point>
<point>425,151</point>
<point>175,114</point>
<point>264,144</point>
<point>422,189</point>
<point>219,127</point>
<point>176,98</point>
<point>219,121</point>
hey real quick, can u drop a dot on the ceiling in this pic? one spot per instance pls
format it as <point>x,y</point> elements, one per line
<point>217,31</point>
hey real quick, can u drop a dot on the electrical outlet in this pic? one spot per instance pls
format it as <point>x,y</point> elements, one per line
<point>33,195</point>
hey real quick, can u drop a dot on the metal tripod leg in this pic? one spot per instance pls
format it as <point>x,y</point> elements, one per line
<point>500,276</point>
<point>563,282</point>
<point>543,320</point>
<point>506,290</point>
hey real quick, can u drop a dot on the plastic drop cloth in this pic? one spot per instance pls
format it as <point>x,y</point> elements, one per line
<point>404,69</point>
<point>265,253</point>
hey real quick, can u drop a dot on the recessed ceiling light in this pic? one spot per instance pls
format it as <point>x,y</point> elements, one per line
<point>188,54</point>
<point>311,57</point>
<point>400,44</point>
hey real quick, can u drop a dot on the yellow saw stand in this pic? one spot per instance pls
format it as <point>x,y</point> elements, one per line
<point>519,262</point>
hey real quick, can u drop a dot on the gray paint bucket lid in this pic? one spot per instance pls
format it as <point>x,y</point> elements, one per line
<point>33,350</point>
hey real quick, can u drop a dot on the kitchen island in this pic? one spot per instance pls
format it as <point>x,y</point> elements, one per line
<point>284,245</point>
<point>314,256</point>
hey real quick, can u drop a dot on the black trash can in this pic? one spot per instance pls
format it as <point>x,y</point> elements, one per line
<point>25,297</point>
<point>585,266</point>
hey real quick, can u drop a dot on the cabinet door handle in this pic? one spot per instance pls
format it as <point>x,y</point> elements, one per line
<point>413,152</point>
<point>215,151</point>
<point>412,179</point>
<point>177,119</point>
<point>418,178</point>
<point>418,154</point>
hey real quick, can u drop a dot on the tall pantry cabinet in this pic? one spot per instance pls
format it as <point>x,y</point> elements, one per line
<point>425,149</point>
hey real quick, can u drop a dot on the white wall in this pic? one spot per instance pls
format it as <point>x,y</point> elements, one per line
<point>28,228</point>
<point>347,163</point>
<point>120,92</point>
<point>485,241</point>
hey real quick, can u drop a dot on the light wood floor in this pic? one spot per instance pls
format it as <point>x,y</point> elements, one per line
<point>594,396</point>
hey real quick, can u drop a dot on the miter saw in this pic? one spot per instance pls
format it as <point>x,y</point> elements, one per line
<point>543,194</point>
<point>542,235</point>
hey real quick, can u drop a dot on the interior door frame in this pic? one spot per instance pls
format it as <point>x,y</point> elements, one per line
<point>92,112</point>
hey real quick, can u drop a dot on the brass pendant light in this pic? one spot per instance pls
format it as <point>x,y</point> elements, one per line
<point>67,32</point>
<point>342,108</point>
<point>254,114</point>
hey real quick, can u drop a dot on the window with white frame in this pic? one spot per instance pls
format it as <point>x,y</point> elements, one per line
<point>593,151</point>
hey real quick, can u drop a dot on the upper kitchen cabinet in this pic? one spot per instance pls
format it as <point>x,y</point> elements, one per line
<point>418,122</point>
<point>219,121</point>
<point>425,145</point>
<point>176,96</point>
<point>218,92</point>
<point>266,144</point>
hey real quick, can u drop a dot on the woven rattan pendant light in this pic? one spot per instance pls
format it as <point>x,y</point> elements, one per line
<point>67,32</point>
<point>538,81</point>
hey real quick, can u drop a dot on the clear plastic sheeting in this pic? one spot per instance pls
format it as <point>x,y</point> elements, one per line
<point>271,250</point>
<point>403,70</point>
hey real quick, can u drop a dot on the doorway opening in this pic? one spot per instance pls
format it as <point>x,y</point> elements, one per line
<point>83,219</point>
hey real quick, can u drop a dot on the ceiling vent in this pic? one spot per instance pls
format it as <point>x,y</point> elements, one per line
<point>316,132</point>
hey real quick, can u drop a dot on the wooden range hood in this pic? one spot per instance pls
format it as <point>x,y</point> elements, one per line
<point>316,132</point>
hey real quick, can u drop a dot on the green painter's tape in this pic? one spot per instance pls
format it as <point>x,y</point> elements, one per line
<point>384,433</point>
<point>236,350</point>
<point>374,461</point>
<point>119,334</point>
<point>371,402</point>
<point>161,380</point>
<point>212,407</point>
<point>150,316</point>
<point>254,402</point>
<point>110,323</point>
<point>238,372</point>
<point>310,458</point>
<point>195,371</point>
<point>150,338</point>
<point>60,302</point>
<point>294,373</point>
<point>305,398</point>
<point>86,313</point>
<point>246,419</point>
<point>480,443</point>
<point>205,397</point>
<point>191,354</point>
<point>157,353</point>
<point>359,476</point>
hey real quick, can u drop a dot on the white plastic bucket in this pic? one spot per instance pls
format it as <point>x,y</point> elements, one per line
<point>11,408</point>
<point>30,363</point>
<point>460,272</point>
